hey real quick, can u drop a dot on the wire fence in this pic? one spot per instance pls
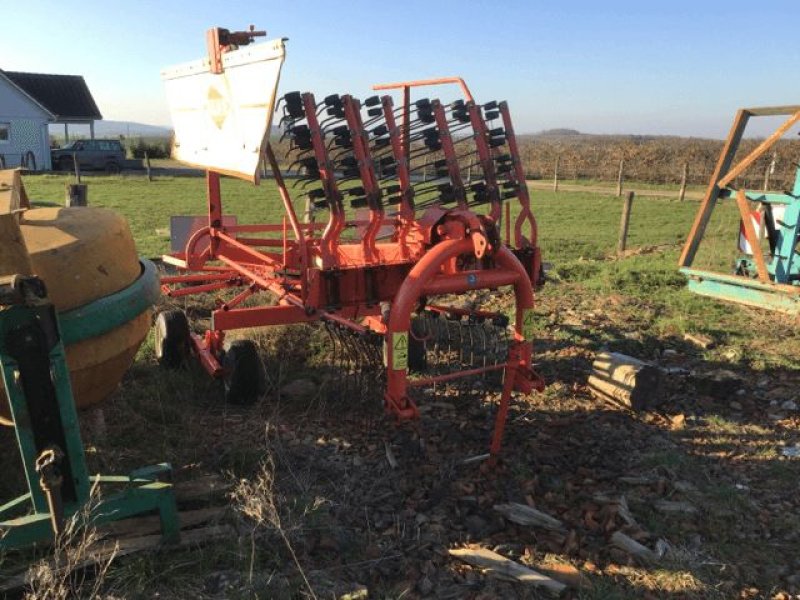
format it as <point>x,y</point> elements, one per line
<point>653,160</point>
<point>646,159</point>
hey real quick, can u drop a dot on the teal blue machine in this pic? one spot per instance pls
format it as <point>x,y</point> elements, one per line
<point>767,272</point>
<point>36,380</point>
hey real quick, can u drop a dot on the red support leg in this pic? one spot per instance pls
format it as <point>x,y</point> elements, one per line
<point>502,414</point>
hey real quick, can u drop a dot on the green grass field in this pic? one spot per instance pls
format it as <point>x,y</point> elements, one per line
<point>578,234</point>
<point>573,225</point>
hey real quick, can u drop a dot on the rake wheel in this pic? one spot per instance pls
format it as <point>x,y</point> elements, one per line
<point>172,338</point>
<point>244,377</point>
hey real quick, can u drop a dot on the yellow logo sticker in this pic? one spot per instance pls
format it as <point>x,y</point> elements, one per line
<point>217,107</point>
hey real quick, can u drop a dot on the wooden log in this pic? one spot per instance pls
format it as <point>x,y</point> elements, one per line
<point>522,514</point>
<point>14,257</point>
<point>625,380</point>
<point>623,510</point>
<point>638,480</point>
<point>201,489</point>
<point>619,176</point>
<point>700,340</point>
<point>675,507</point>
<point>140,526</point>
<point>632,547</point>
<point>504,568</point>
<point>107,551</point>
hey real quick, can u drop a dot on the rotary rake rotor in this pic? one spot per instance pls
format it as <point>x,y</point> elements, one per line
<point>393,262</point>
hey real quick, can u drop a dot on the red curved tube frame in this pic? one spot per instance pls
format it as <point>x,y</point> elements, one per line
<point>425,279</point>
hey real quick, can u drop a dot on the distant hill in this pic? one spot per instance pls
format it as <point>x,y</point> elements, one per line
<point>113,129</point>
<point>558,132</point>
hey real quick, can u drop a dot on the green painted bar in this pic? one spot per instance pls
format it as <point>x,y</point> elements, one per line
<point>110,312</point>
<point>737,289</point>
<point>141,493</point>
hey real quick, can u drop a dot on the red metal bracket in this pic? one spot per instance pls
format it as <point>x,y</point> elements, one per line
<point>220,40</point>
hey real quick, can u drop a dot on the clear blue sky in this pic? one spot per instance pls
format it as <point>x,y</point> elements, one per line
<point>661,67</point>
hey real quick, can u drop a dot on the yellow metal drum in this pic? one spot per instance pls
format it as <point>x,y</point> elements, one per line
<point>84,254</point>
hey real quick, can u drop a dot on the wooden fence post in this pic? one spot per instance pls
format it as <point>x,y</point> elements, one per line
<point>619,177</point>
<point>555,173</point>
<point>77,167</point>
<point>308,213</point>
<point>624,222</point>
<point>147,166</point>
<point>684,174</point>
<point>770,170</point>
<point>77,193</point>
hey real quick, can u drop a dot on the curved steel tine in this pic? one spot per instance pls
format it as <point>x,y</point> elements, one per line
<point>485,345</point>
<point>451,326</point>
<point>467,326</point>
<point>430,342</point>
<point>354,365</point>
<point>333,359</point>
<point>435,338</point>
<point>367,369</point>
<point>499,332</point>
<point>440,336</point>
<point>378,374</point>
<point>364,365</point>
<point>341,364</point>
<point>344,364</point>
<point>345,368</point>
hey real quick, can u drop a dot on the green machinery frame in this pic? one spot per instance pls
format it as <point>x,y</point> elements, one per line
<point>762,279</point>
<point>36,380</point>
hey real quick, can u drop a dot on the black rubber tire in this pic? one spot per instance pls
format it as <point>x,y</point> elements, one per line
<point>172,335</point>
<point>244,377</point>
<point>65,163</point>
<point>113,168</point>
<point>417,357</point>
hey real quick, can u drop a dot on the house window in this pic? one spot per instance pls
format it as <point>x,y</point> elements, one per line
<point>5,133</point>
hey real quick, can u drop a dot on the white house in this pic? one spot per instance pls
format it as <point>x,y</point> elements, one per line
<point>29,102</point>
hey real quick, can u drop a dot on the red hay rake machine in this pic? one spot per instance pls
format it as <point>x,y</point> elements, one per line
<point>384,254</point>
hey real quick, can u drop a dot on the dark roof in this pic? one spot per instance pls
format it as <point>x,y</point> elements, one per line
<point>66,96</point>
